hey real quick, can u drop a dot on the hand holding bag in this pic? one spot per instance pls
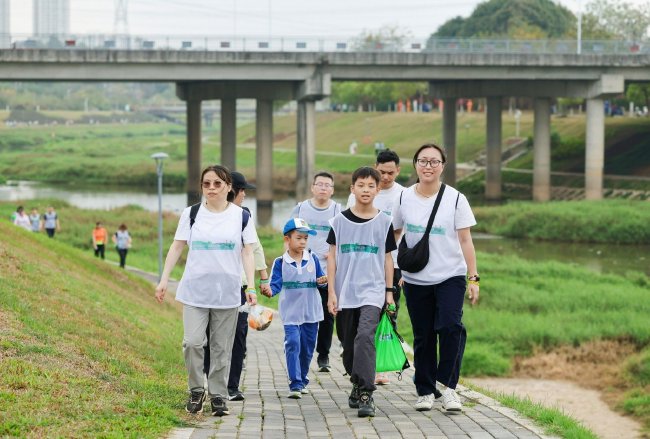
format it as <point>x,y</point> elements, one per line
<point>390,353</point>
<point>414,259</point>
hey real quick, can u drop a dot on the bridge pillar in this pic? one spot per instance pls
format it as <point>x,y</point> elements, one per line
<point>493,170</point>
<point>193,151</point>
<point>229,133</point>
<point>542,150</point>
<point>449,139</point>
<point>595,149</point>
<point>306,148</point>
<point>264,158</point>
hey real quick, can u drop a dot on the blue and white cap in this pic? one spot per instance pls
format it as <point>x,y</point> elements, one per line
<point>298,224</point>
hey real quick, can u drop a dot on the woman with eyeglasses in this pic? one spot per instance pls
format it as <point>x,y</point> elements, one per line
<point>220,239</point>
<point>435,294</point>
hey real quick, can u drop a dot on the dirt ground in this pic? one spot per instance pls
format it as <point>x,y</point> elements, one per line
<point>585,382</point>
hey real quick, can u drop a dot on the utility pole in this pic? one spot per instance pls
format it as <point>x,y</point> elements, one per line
<point>579,48</point>
<point>121,21</point>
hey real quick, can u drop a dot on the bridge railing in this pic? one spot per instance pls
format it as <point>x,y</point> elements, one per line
<point>313,44</point>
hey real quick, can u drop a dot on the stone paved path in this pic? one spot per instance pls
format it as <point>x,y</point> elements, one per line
<point>268,413</point>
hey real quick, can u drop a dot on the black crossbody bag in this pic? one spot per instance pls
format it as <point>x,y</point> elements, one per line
<point>414,259</point>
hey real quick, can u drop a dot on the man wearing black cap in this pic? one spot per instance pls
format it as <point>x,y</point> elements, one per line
<point>239,186</point>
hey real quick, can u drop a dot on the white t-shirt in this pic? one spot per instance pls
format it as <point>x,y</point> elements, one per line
<point>212,276</point>
<point>384,201</point>
<point>23,221</point>
<point>319,220</point>
<point>445,255</point>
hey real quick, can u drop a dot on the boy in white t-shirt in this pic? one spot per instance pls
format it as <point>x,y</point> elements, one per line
<point>359,268</point>
<point>297,274</point>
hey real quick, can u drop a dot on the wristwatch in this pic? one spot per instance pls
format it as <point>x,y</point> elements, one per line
<point>391,289</point>
<point>474,277</point>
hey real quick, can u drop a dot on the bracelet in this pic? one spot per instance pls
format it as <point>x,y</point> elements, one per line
<point>474,277</point>
<point>473,282</point>
<point>251,291</point>
<point>264,281</point>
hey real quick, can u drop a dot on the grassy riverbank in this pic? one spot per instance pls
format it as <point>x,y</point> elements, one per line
<point>606,221</point>
<point>84,351</point>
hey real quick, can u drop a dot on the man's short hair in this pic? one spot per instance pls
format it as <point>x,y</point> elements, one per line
<point>323,174</point>
<point>365,172</point>
<point>387,156</point>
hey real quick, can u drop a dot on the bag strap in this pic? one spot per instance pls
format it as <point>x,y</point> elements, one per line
<point>434,211</point>
<point>193,211</point>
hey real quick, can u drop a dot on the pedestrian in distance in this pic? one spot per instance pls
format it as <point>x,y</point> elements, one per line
<point>122,241</point>
<point>387,164</point>
<point>100,238</point>
<point>296,276</point>
<point>360,274</point>
<point>237,196</point>
<point>435,294</point>
<point>318,211</point>
<point>50,222</point>
<point>220,238</point>
<point>22,219</point>
<point>35,220</point>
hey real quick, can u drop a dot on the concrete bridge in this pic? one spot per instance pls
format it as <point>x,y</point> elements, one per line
<point>306,77</point>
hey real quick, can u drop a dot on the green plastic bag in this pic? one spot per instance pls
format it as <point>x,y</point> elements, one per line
<point>390,354</point>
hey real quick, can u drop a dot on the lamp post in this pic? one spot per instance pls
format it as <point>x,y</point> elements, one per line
<point>159,157</point>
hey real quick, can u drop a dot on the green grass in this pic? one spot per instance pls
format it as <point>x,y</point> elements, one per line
<point>610,221</point>
<point>85,350</point>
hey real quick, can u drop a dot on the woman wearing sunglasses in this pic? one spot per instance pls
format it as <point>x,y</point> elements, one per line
<point>435,294</point>
<point>219,240</point>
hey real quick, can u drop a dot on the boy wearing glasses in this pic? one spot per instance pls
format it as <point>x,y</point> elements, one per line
<point>318,211</point>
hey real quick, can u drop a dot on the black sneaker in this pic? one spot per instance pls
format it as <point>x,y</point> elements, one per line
<point>323,364</point>
<point>366,405</point>
<point>353,399</point>
<point>219,406</point>
<point>195,401</point>
<point>235,395</point>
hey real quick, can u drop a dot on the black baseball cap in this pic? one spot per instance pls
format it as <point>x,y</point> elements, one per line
<point>239,181</point>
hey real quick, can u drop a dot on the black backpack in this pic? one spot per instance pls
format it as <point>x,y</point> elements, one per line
<point>246,215</point>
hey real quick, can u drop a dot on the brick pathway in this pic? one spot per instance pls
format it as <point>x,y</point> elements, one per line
<point>268,413</point>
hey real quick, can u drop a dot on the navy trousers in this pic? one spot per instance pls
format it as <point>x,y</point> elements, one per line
<point>436,312</point>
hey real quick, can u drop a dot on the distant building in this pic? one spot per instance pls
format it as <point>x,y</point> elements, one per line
<point>51,17</point>
<point>5,30</point>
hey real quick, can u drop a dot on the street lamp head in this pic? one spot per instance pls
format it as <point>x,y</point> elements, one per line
<point>159,156</point>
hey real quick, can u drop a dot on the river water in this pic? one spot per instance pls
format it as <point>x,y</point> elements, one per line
<point>602,258</point>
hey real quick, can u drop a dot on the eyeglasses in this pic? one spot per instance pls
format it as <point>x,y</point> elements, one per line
<point>324,185</point>
<point>424,162</point>
<point>217,184</point>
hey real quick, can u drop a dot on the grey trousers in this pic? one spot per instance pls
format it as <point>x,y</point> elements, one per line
<point>222,333</point>
<point>358,327</point>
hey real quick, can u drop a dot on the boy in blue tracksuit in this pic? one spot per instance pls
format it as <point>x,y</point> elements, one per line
<point>297,274</point>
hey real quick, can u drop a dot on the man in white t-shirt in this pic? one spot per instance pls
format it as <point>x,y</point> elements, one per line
<point>389,190</point>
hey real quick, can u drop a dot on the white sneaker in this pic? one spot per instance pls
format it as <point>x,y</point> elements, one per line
<point>424,403</point>
<point>450,401</point>
<point>304,391</point>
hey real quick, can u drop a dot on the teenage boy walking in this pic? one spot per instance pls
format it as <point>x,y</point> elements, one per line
<point>359,269</point>
<point>389,191</point>
<point>296,275</point>
<point>318,211</point>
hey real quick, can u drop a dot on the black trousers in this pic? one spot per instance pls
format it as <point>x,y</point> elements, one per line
<point>99,251</point>
<point>359,354</point>
<point>436,312</point>
<point>238,348</point>
<point>325,328</point>
<point>122,252</point>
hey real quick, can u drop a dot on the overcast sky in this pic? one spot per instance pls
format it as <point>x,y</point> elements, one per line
<point>277,18</point>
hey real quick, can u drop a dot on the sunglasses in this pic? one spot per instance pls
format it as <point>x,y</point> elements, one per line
<point>217,184</point>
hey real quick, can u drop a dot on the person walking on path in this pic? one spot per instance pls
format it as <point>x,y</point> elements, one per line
<point>359,270</point>
<point>297,274</point>
<point>219,240</point>
<point>35,220</point>
<point>122,241</point>
<point>100,238</point>
<point>51,222</point>
<point>318,211</point>
<point>389,190</point>
<point>237,196</point>
<point>435,295</point>
<point>22,219</point>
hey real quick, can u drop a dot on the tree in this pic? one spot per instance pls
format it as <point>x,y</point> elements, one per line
<point>620,19</point>
<point>388,38</point>
<point>523,19</point>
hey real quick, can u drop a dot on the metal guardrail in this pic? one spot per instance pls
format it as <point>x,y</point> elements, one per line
<point>311,44</point>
